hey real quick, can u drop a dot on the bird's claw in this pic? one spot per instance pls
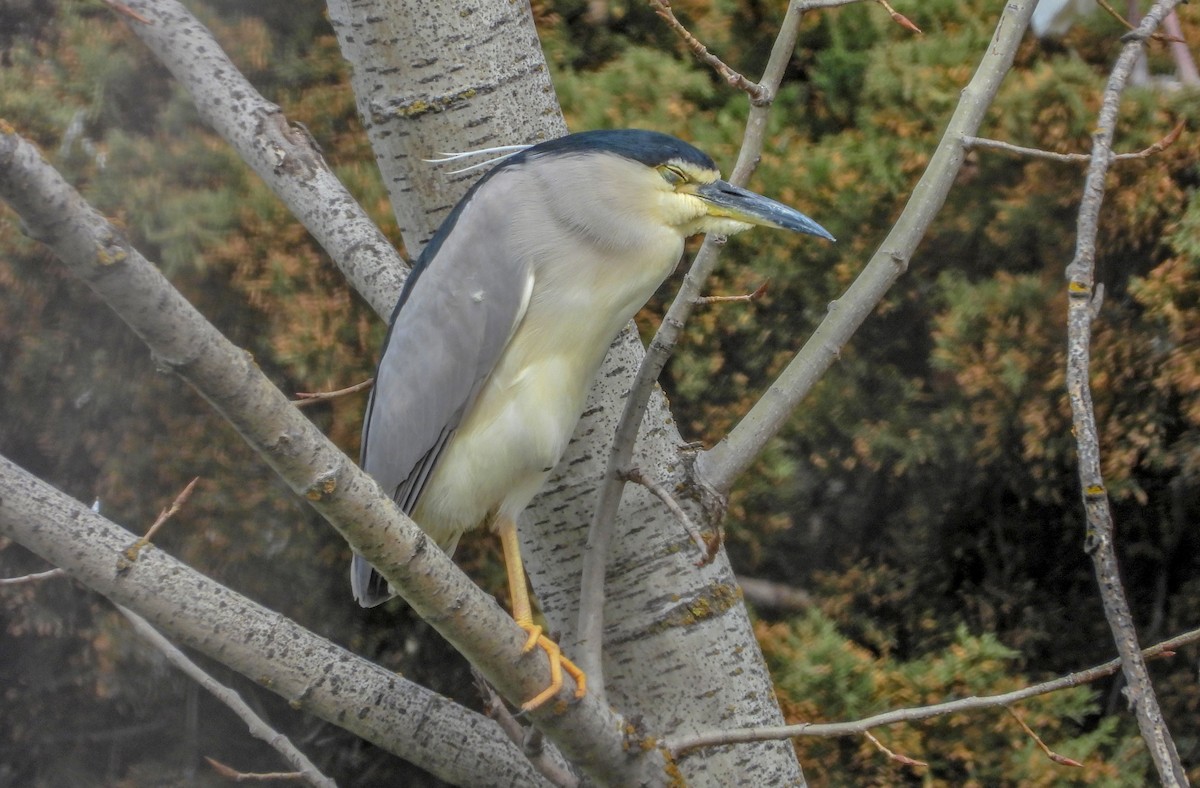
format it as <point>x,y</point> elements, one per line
<point>558,664</point>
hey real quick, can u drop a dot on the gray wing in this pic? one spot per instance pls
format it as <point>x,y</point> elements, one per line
<point>456,315</point>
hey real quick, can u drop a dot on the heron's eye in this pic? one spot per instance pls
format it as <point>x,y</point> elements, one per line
<point>672,175</point>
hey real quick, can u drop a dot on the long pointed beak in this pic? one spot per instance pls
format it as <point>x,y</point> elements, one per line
<point>733,202</point>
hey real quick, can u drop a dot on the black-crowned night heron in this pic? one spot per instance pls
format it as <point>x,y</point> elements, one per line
<point>504,322</point>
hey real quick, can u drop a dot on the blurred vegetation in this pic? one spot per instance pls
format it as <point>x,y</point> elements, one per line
<point>925,492</point>
<point>824,676</point>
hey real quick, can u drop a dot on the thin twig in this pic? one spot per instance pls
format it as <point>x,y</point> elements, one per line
<point>1008,147</point>
<point>721,465</point>
<point>904,759</point>
<point>758,293</point>
<point>683,744</point>
<point>233,775</point>
<point>1115,14</point>
<point>493,707</point>
<point>545,762</point>
<point>600,532</point>
<point>281,153</point>
<point>131,553</point>
<point>636,476</point>
<point>34,578</point>
<point>779,597</point>
<point>900,18</point>
<point>305,398</point>
<point>125,10</point>
<point>1099,542</point>
<point>816,5</point>
<point>1051,754</point>
<point>757,93</point>
<point>258,728</point>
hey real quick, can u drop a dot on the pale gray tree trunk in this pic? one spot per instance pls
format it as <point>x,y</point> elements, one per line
<point>303,667</point>
<point>679,651</point>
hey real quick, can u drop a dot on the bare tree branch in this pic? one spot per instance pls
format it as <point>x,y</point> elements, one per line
<point>131,553</point>
<point>682,744</point>
<point>233,775</point>
<point>549,766</point>
<point>308,671</point>
<point>814,5</point>
<point>1099,542</point>
<point>259,729</point>
<point>901,20</point>
<point>758,293</point>
<point>121,8</point>
<point>1115,14</point>
<point>766,595</point>
<point>304,398</point>
<point>1049,753</point>
<point>586,731</point>
<point>758,93</point>
<point>903,759</point>
<point>282,153</point>
<point>37,577</point>
<point>1008,147</point>
<point>722,464</point>
<point>636,476</point>
<point>591,603</point>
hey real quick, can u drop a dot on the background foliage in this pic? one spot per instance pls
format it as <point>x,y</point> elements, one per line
<point>925,493</point>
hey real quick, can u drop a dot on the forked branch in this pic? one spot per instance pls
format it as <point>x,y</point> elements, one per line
<point>725,462</point>
<point>257,726</point>
<point>587,732</point>
<point>1081,309</point>
<point>591,603</point>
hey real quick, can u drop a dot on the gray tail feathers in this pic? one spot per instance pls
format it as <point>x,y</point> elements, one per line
<point>369,587</point>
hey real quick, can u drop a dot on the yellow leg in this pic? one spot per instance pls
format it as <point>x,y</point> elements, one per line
<point>523,613</point>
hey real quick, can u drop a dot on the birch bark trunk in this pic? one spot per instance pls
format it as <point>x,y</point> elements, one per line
<point>679,651</point>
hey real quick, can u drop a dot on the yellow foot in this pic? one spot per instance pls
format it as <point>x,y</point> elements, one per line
<point>558,663</point>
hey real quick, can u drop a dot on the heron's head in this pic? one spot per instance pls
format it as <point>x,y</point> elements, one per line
<point>597,180</point>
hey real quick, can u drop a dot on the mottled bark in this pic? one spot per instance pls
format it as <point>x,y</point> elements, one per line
<point>281,153</point>
<point>679,651</point>
<point>183,342</point>
<point>309,671</point>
